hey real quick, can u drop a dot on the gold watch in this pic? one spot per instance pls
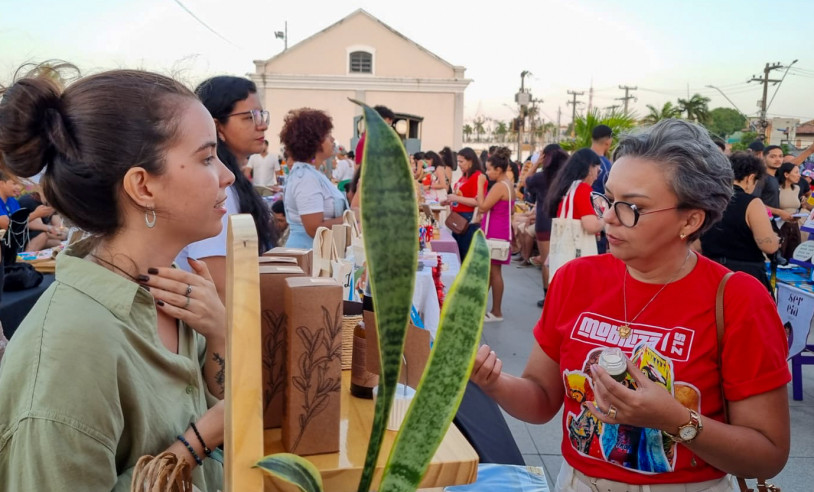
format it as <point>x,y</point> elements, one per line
<point>688,431</point>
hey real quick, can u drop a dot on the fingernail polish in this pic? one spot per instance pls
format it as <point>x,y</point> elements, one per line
<point>143,278</point>
<point>152,271</point>
<point>159,302</point>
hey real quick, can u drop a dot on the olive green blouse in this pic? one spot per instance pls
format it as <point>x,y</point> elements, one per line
<point>87,387</point>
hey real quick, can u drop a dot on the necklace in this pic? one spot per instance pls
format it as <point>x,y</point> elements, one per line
<point>624,330</point>
<point>111,265</point>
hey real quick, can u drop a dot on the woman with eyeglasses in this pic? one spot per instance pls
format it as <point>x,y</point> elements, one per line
<point>241,124</point>
<point>745,232</point>
<point>311,200</point>
<point>574,181</point>
<point>659,421</point>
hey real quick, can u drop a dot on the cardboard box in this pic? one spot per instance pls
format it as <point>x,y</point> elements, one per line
<point>278,260</point>
<point>311,412</point>
<point>274,333</point>
<point>416,349</point>
<point>305,257</point>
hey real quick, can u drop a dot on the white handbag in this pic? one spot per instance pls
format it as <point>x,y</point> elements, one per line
<point>568,239</point>
<point>500,249</point>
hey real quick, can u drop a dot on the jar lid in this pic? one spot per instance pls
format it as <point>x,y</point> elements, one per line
<point>613,361</point>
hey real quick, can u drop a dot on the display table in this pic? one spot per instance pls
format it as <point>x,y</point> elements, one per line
<point>446,244</point>
<point>425,297</point>
<point>455,461</point>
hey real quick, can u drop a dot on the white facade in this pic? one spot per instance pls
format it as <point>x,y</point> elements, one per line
<point>401,75</point>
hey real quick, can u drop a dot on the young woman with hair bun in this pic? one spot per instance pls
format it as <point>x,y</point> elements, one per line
<point>496,210</point>
<point>122,356</point>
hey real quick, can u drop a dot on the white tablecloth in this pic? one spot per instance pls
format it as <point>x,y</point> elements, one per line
<point>425,298</point>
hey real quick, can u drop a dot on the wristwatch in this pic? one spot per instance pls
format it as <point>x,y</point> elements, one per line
<point>688,431</point>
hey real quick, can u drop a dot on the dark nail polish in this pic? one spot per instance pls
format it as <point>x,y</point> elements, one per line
<point>152,271</point>
<point>142,278</point>
<point>159,302</point>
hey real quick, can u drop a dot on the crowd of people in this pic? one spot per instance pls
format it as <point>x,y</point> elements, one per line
<point>123,356</point>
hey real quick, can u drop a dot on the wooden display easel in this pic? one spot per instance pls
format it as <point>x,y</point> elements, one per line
<point>455,462</point>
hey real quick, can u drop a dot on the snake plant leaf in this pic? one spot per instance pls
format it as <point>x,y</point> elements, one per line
<point>292,469</point>
<point>390,233</point>
<point>444,380</point>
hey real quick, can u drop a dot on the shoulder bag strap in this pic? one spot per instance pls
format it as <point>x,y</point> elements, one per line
<point>509,215</point>
<point>721,326</point>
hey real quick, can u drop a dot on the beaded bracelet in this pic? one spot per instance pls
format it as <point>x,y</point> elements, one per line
<point>207,451</point>
<point>191,450</point>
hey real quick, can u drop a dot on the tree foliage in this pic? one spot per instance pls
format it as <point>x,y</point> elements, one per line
<point>654,115</point>
<point>725,121</point>
<point>584,125</point>
<point>695,107</point>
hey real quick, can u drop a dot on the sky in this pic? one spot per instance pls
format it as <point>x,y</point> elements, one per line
<point>667,49</point>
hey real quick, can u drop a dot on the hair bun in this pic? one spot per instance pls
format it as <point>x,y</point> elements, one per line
<point>33,129</point>
<point>503,153</point>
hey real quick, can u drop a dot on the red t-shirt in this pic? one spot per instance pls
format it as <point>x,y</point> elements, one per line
<point>582,202</point>
<point>468,187</point>
<point>582,315</point>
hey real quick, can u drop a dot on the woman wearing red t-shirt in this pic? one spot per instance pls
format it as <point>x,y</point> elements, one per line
<point>577,175</point>
<point>655,299</point>
<point>468,193</point>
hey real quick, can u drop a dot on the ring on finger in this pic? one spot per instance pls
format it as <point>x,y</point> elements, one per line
<point>186,305</point>
<point>189,290</point>
<point>611,412</point>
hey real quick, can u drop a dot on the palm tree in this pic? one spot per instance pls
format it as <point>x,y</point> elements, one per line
<point>501,130</point>
<point>695,107</point>
<point>655,115</point>
<point>584,125</point>
<point>467,132</point>
<point>479,129</point>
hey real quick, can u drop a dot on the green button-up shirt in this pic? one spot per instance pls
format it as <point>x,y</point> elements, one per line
<point>87,387</point>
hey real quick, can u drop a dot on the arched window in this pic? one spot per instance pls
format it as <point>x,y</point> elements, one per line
<point>361,62</point>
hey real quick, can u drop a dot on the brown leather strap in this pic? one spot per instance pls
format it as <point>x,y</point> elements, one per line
<point>721,325</point>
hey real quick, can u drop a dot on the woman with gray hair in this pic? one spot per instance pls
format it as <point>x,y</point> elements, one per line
<point>628,346</point>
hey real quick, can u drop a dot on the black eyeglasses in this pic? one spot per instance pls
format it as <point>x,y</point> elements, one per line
<point>259,117</point>
<point>627,213</point>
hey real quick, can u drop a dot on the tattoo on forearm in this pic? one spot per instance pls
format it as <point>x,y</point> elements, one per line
<point>766,240</point>
<point>220,375</point>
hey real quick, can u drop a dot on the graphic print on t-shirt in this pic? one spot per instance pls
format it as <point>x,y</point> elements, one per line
<point>638,449</point>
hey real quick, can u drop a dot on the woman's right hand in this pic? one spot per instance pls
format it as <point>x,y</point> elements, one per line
<point>487,369</point>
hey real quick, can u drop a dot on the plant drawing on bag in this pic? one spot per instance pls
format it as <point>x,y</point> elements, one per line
<point>324,346</point>
<point>274,344</point>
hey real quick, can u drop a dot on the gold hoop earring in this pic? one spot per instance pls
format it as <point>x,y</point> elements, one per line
<point>150,221</point>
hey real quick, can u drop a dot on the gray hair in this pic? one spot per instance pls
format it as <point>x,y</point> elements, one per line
<point>701,173</point>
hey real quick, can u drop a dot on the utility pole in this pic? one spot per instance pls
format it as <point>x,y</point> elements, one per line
<point>627,97</point>
<point>765,80</point>
<point>573,102</point>
<point>532,118</point>
<point>591,96</point>
<point>559,117</point>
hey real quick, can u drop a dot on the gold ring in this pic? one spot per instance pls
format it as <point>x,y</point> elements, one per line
<point>611,412</point>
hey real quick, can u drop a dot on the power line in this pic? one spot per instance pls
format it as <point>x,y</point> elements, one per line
<point>216,33</point>
<point>627,97</point>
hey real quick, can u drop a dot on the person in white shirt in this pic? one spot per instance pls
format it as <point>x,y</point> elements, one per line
<point>344,167</point>
<point>264,166</point>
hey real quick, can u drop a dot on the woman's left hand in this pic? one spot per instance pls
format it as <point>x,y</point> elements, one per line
<point>189,297</point>
<point>649,405</point>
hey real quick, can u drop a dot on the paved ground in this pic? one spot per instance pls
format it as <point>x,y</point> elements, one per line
<point>540,444</point>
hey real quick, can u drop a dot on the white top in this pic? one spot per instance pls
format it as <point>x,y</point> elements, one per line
<point>213,246</point>
<point>308,191</point>
<point>264,169</point>
<point>343,170</point>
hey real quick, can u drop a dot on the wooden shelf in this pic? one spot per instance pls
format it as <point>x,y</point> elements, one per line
<point>455,462</point>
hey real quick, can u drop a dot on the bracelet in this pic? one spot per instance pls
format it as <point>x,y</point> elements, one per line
<point>207,451</point>
<point>191,450</point>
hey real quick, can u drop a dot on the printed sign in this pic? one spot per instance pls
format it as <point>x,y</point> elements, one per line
<point>796,308</point>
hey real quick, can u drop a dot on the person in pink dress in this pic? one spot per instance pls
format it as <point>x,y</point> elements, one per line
<point>496,210</point>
